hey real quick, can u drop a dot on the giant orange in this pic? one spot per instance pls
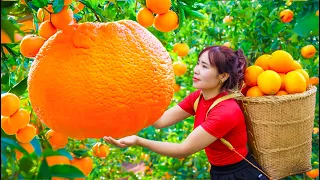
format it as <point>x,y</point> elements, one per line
<point>114,80</point>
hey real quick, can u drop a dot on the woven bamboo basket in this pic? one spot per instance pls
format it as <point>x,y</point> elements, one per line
<point>280,131</point>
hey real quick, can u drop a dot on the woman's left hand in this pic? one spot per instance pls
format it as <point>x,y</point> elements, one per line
<point>123,142</point>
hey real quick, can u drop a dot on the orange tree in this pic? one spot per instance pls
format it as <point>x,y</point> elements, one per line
<point>256,27</point>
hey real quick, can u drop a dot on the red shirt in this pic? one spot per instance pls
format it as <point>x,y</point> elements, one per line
<point>224,120</point>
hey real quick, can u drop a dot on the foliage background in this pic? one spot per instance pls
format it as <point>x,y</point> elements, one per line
<point>256,28</point>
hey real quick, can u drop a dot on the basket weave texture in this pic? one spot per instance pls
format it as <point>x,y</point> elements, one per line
<point>280,131</point>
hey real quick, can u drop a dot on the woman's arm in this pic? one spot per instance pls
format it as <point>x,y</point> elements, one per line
<point>196,141</point>
<point>171,116</point>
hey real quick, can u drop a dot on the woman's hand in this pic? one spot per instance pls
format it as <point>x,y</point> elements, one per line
<point>123,142</point>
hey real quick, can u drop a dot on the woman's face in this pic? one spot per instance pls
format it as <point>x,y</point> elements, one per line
<point>205,76</point>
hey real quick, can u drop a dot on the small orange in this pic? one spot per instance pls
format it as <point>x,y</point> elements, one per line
<point>317,13</point>
<point>20,119</point>
<point>30,45</point>
<point>254,92</point>
<point>286,15</point>
<point>10,103</point>
<point>269,82</point>
<point>263,61</point>
<point>227,19</point>
<point>158,7</point>
<point>166,22</point>
<point>62,19</point>
<point>67,2</point>
<point>308,51</point>
<point>314,81</point>
<point>145,17</point>
<point>43,14</point>
<point>281,61</point>
<point>84,164</point>
<point>314,173</point>
<point>7,127</point>
<point>176,87</point>
<point>56,140</point>
<point>281,92</point>
<point>54,160</point>
<point>282,76</point>
<point>100,150</point>
<point>26,134</point>
<point>229,45</point>
<point>78,7</point>
<point>181,48</point>
<point>315,130</point>
<point>251,75</point>
<point>296,65</point>
<point>46,29</point>
<point>295,82</point>
<point>179,68</point>
<point>27,146</point>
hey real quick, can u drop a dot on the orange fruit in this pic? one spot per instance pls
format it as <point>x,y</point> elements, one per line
<point>254,92</point>
<point>10,103</point>
<point>100,150</point>
<point>54,160</point>
<point>314,173</point>
<point>62,19</point>
<point>145,17</point>
<point>305,75</point>
<point>229,45</point>
<point>286,15</point>
<point>296,65</point>
<point>315,130</point>
<point>84,164</point>
<point>158,7</point>
<point>7,127</point>
<point>269,82</point>
<point>166,22</point>
<point>317,13</point>
<point>295,82</point>
<point>263,61</point>
<point>314,81</point>
<point>282,76</point>
<point>43,14</point>
<point>281,92</point>
<point>26,134</point>
<point>181,48</point>
<point>281,61</point>
<point>179,68</point>
<point>67,2</point>
<point>27,146</point>
<point>227,19</point>
<point>176,87</point>
<point>27,26</point>
<point>78,7</point>
<point>30,45</point>
<point>136,60</point>
<point>308,51</point>
<point>20,119</point>
<point>46,29</point>
<point>251,75</point>
<point>56,140</point>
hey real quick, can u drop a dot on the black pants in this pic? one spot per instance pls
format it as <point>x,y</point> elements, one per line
<point>238,171</point>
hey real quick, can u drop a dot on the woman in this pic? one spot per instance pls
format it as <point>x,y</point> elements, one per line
<point>219,71</point>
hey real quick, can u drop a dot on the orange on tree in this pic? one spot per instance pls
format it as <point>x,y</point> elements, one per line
<point>263,61</point>
<point>166,22</point>
<point>229,45</point>
<point>282,76</point>
<point>56,139</point>
<point>158,7</point>
<point>296,65</point>
<point>58,159</point>
<point>308,51</point>
<point>227,19</point>
<point>100,55</point>
<point>317,13</point>
<point>179,68</point>
<point>67,2</point>
<point>314,81</point>
<point>281,61</point>
<point>26,134</point>
<point>27,26</point>
<point>315,130</point>
<point>62,19</point>
<point>251,75</point>
<point>176,87</point>
<point>181,48</point>
<point>281,92</point>
<point>20,118</point>
<point>46,29</point>
<point>30,45</point>
<point>269,82</point>
<point>44,14</point>
<point>145,17</point>
<point>314,173</point>
<point>85,164</point>
<point>286,15</point>
<point>78,7</point>
<point>295,82</point>
<point>100,150</point>
<point>10,103</point>
<point>27,146</point>
<point>7,127</point>
<point>254,92</point>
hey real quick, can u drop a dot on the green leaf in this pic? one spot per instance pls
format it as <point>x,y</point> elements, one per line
<point>5,77</point>
<point>50,152</point>
<point>40,3</point>
<point>20,87</point>
<point>13,144</point>
<point>66,171</point>
<point>306,25</point>
<point>57,5</point>
<point>8,27</point>
<point>25,164</point>
<point>44,170</point>
<point>182,17</point>
<point>66,153</point>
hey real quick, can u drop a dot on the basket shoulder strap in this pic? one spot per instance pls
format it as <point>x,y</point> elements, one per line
<point>196,102</point>
<point>229,96</point>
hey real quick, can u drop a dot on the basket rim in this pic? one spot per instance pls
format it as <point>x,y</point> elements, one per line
<point>272,99</point>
